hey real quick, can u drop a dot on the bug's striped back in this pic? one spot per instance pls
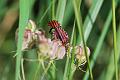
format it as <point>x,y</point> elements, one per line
<point>59,33</point>
<point>53,24</point>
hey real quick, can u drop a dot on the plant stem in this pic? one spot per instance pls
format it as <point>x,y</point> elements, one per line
<point>114,39</point>
<point>22,69</point>
<point>79,23</point>
<point>65,76</point>
<point>72,42</point>
<point>23,19</point>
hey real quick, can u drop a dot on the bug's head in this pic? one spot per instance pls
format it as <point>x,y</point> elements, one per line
<point>53,24</point>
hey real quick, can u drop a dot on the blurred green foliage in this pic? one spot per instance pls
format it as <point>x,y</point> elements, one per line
<point>97,28</point>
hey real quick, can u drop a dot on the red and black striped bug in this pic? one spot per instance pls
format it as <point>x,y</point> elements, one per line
<point>58,32</point>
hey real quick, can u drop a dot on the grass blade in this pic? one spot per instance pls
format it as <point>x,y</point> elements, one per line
<point>61,10</point>
<point>72,65</point>
<point>79,23</point>
<point>69,10</point>
<point>23,19</point>
<point>114,39</point>
<point>109,73</point>
<point>100,42</point>
<point>53,9</point>
<point>73,42</point>
<point>93,12</point>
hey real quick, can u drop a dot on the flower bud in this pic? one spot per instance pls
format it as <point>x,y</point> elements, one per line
<point>47,48</point>
<point>31,25</point>
<point>28,40</point>
<point>57,50</point>
<point>80,58</point>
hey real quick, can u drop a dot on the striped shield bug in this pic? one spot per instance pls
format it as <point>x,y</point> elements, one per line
<point>58,32</point>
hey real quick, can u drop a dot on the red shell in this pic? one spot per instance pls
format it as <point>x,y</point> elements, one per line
<point>53,24</point>
<point>59,33</point>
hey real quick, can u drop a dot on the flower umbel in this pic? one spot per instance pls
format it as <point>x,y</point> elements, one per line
<point>46,48</point>
<point>51,48</point>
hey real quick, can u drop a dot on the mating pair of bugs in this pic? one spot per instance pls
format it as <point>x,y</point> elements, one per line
<point>58,32</point>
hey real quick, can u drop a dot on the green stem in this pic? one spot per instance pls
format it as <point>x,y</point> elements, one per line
<point>22,69</point>
<point>79,23</point>
<point>72,42</point>
<point>23,19</point>
<point>114,38</point>
<point>45,13</point>
<point>52,68</point>
<point>37,70</point>
<point>46,69</point>
<point>65,76</point>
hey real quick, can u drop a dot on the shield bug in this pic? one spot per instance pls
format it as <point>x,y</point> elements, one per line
<point>58,32</point>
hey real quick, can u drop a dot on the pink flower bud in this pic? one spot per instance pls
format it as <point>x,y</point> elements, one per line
<point>57,50</point>
<point>80,55</point>
<point>49,49</point>
<point>28,40</point>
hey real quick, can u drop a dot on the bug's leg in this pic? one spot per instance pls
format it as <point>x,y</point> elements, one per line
<point>83,63</point>
<point>81,69</point>
<point>50,31</point>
